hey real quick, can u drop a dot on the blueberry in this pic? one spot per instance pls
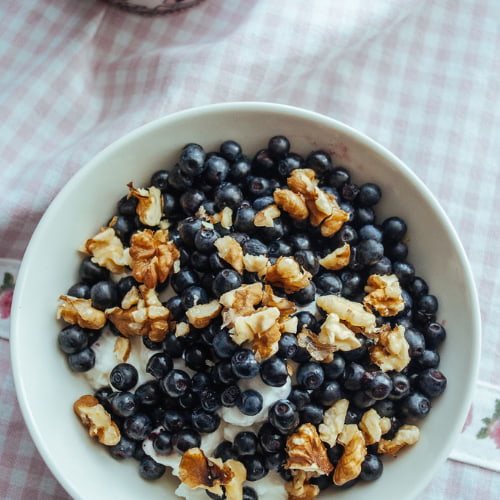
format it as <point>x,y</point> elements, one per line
<point>171,206</point>
<point>104,295</point>
<point>329,393</point>
<point>148,394</point>
<point>254,464</point>
<point>173,345</point>
<point>127,206</point>
<point>278,146</point>
<point>394,229</point>
<point>91,273</point>
<point>370,232</point>
<point>400,386</point>
<point>287,346</point>
<point>321,162</point>
<point>228,195</point>
<point>305,295</point>
<point>225,281</point>
<point>338,177</point>
<point>187,230</point>
<point>334,368</point>
<point>125,448</point>
<point>379,386</point>
<point>123,404</point>
<point>250,402</point>
<point>244,364</point>
<point>283,416</point>
<point>174,305</point>
<point>435,333</point>
<point>79,290</point>
<point>427,304</point>
<point>178,180</point>
<point>186,439</point>
<point>196,356</point>
<point>245,443</point>
<point>277,231</point>
<point>432,382</point>
<point>363,216</point>
<point>193,296</point>
<point>362,400</point>
<point>124,227</point>
<point>230,395</point>
<point>262,202</point>
<point>273,371</point>
<point>223,345</point>
<point>369,252</point>
<point>299,397</point>
<point>397,251</point>
<point>349,192</point>
<point>308,260</point>
<point>385,407</point>
<point>191,200</point>
<point>123,376</point>
<point>230,150</point>
<point>253,246</point>
<point>225,451</point>
<point>383,266</point>
<point>160,179</point>
<point>82,361</point>
<point>249,493</point>
<point>328,284</point>
<point>369,195</point>
<point>346,234</point>
<point>404,271</point>
<point>73,339</point>
<point>184,279</point>
<point>415,406</point>
<point>216,170</point>
<point>244,219</point>
<point>429,359</point>
<point>205,422</point>
<point>263,163</point>
<point>307,320</point>
<point>124,285</point>
<point>162,443</point>
<point>210,399</point>
<point>311,413</point>
<point>174,420</point>
<point>270,439</point>
<point>176,383</point>
<point>192,160</point>
<point>279,248</point>
<point>289,163</point>
<point>418,287</point>
<point>159,365</point>
<point>371,468</point>
<point>137,427</point>
<point>416,342</point>
<point>104,395</point>
<point>353,376</point>
<point>150,470</point>
<point>275,461</point>
<point>310,375</point>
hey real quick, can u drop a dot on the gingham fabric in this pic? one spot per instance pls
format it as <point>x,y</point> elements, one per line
<point>422,78</point>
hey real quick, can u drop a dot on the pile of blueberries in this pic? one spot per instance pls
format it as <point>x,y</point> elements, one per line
<point>186,405</point>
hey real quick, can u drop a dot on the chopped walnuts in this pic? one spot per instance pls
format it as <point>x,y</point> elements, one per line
<point>347,310</point>
<point>374,426</point>
<point>200,315</point>
<point>306,451</point>
<point>77,311</point>
<point>349,465</point>
<point>333,422</point>
<point>299,488</point>
<point>107,250</point>
<point>230,251</point>
<point>384,294</point>
<point>93,415</point>
<point>292,203</point>
<point>150,204</point>
<point>153,256</point>
<point>266,216</point>
<point>406,435</point>
<point>337,259</point>
<point>196,470</point>
<point>392,351</point>
<point>287,274</point>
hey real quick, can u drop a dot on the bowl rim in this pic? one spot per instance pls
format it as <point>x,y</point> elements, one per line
<point>245,107</point>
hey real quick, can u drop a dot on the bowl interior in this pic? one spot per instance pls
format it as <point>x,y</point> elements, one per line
<point>46,388</point>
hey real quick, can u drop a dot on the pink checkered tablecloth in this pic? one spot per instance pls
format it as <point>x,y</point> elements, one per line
<point>421,77</point>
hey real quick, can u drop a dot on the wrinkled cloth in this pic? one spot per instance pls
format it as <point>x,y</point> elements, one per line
<point>422,78</point>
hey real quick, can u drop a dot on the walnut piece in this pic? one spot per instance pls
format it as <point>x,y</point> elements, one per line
<point>150,204</point>
<point>337,259</point>
<point>287,274</point>
<point>292,203</point>
<point>337,334</point>
<point>266,216</point>
<point>299,488</point>
<point>153,256</point>
<point>347,310</point>
<point>406,435</point>
<point>201,315</point>
<point>334,221</point>
<point>255,264</point>
<point>333,422</point>
<point>80,312</point>
<point>374,426</point>
<point>304,182</point>
<point>247,327</point>
<point>181,328</point>
<point>93,415</point>
<point>122,349</point>
<point>224,218</point>
<point>230,251</point>
<point>384,294</point>
<point>107,250</point>
<point>392,351</point>
<point>196,470</point>
<point>147,317</point>
<point>349,465</point>
<point>306,451</point>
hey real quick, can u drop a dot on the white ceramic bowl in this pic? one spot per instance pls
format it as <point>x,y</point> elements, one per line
<point>46,388</point>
